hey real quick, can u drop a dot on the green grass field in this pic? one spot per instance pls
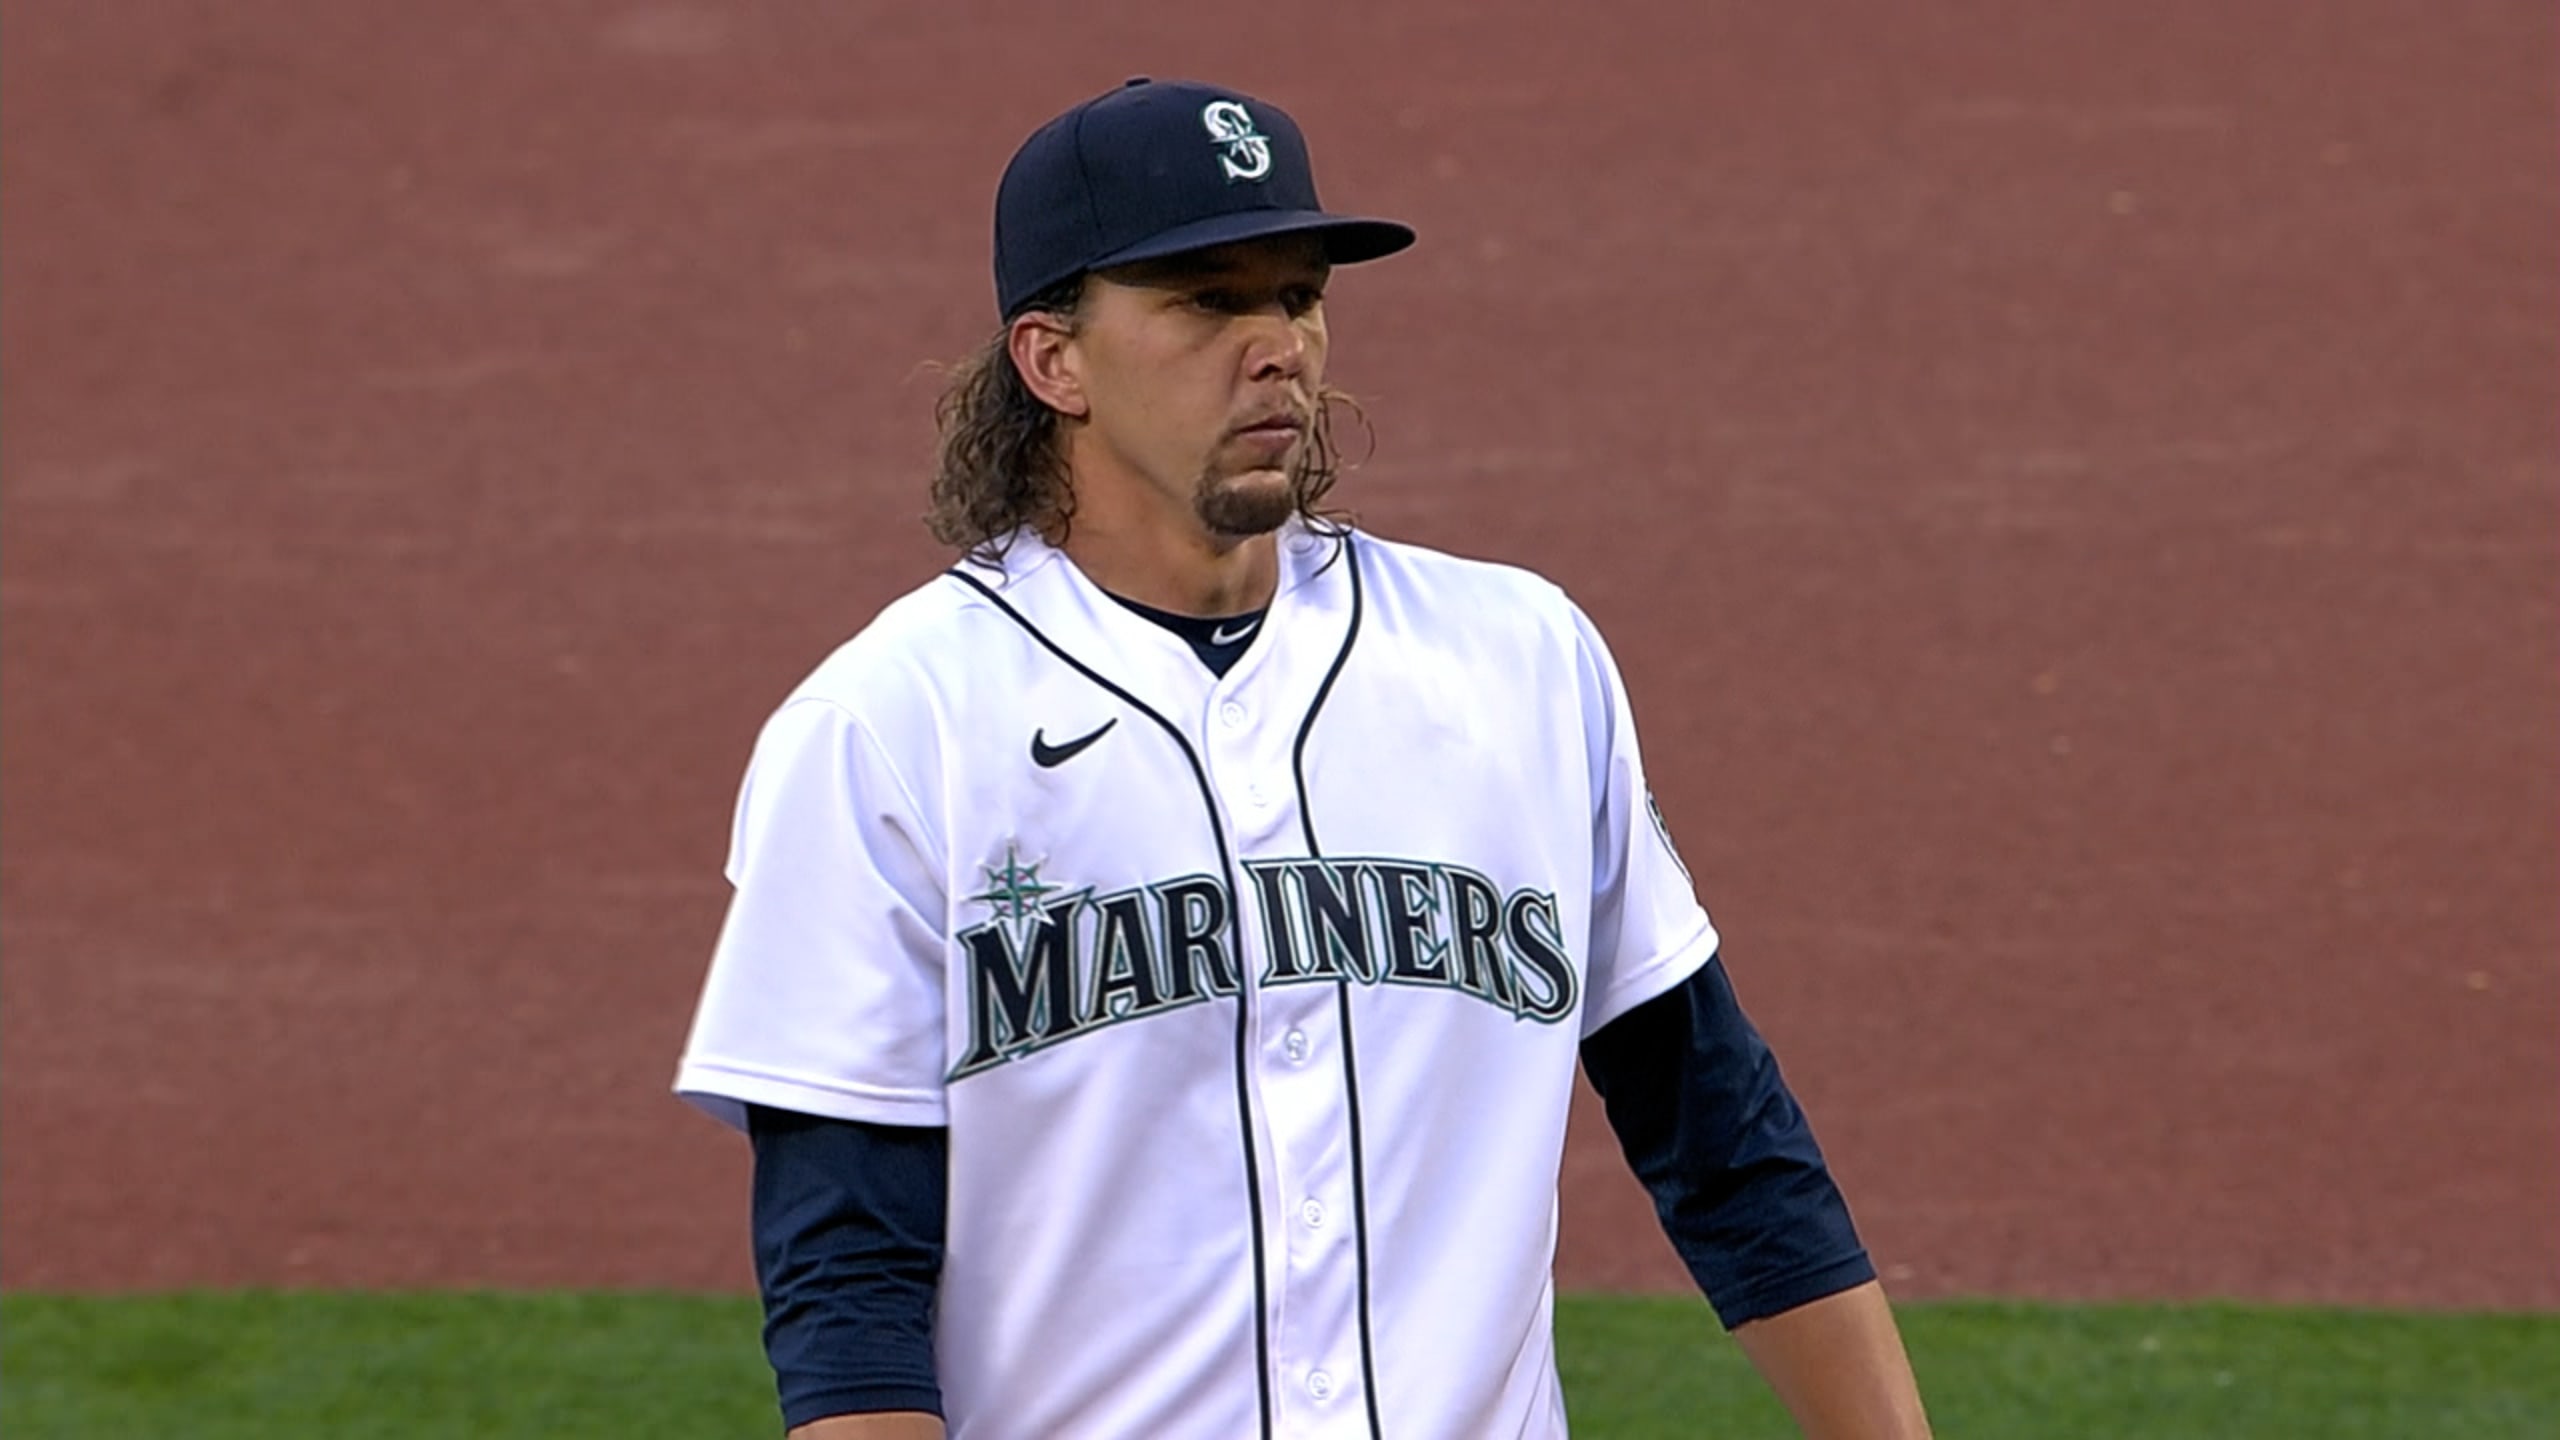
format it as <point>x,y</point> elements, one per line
<point>515,1367</point>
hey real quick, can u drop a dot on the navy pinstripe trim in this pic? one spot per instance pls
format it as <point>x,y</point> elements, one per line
<point>1342,998</point>
<point>1244,977</point>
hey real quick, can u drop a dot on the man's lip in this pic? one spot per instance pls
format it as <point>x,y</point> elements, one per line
<point>1290,423</point>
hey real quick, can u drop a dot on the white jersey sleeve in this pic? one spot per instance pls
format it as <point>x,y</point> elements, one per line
<point>1648,929</point>
<point>825,994</point>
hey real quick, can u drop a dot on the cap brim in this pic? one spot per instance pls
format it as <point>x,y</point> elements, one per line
<point>1348,239</point>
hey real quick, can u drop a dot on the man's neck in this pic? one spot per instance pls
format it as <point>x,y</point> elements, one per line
<point>1141,545</point>
<point>1184,571</point>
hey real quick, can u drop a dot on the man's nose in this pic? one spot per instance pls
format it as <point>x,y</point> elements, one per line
<point>1279,349</point>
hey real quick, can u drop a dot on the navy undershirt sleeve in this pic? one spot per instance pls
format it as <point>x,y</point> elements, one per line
<point>1709,1126</point>
<point>848,1244</point>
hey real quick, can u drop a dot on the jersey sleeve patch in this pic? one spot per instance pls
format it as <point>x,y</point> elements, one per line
<point>1648,930</point>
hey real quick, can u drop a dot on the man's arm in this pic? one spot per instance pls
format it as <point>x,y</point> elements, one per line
<point>1838,1366</point>
<point>1709,1126</point>
<point>848,1221</point>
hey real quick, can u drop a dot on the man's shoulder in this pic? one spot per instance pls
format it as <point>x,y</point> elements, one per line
<point>1431,579</point>
<point>910,641</point>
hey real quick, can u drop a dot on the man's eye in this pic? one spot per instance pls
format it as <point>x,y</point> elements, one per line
<point>1219,302</point>
<point>1302,298</point>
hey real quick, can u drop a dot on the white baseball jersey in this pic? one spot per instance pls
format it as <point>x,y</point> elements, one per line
<point>1252,1004</point>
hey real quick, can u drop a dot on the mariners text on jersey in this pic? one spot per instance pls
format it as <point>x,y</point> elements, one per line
<point>1055,963</point>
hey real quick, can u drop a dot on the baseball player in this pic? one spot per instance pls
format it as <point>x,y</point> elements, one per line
<point>1162,944</point>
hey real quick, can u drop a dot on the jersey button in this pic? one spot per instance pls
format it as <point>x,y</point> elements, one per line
<point>1319,1384</point>
<point>1232,715</point>
<point>1295,1042</point>
<point>1313,1214</point>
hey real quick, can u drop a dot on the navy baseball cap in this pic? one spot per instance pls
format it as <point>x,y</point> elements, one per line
<point>1155,168</point>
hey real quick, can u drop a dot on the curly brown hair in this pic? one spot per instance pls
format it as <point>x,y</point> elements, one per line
<point>1001,469</point>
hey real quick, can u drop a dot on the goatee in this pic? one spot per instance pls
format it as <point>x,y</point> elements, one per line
<point>1243,510</point>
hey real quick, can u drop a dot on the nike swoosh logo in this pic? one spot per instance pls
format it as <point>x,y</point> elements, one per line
<point>1048,756</point>
<point>1220,636</point>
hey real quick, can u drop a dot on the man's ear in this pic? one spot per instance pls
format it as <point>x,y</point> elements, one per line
<point>1043,349</point>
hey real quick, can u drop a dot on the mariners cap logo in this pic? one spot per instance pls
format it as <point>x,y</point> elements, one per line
<point>1245,152</point>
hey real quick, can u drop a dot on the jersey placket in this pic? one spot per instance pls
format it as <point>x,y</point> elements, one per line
<point>1298,1079</point>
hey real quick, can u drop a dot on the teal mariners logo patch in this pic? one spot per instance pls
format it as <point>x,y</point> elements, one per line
<point>1051,962</point>
<point>1662,828</point>
<point>1013,890</point>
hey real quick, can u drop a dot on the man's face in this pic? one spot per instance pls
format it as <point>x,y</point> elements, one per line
<point>1201,374</point>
